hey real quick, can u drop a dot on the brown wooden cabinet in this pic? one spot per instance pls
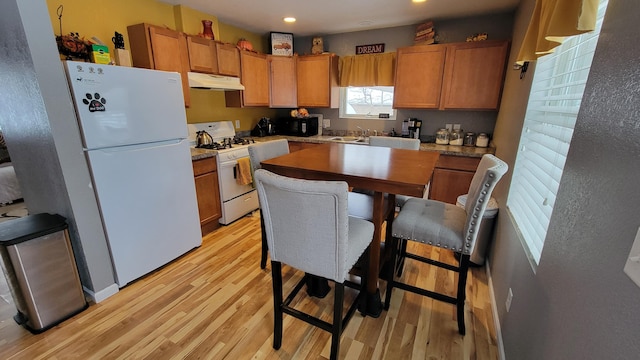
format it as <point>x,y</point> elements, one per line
<point>208,193</point>
<point>452,177</point>
<point>418,79</point>
<point>155,47</point>
<point>255,78</point>
<point>317,81</point>
<point>282,81</point>
<point>474,74</point>
<point>451,76</point>
<point>202,55</point>
<point>228,59</point>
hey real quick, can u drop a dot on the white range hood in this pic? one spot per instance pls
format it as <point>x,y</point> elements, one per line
<point>214,82</point>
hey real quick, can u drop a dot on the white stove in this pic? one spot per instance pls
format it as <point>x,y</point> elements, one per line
<point>237,200</point>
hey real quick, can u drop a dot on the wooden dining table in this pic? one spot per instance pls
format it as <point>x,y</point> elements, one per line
<point>381,170</point>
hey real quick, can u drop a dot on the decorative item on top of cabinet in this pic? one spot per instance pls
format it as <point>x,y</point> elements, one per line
<point>159,48</point>
<point>207,193</point>
<point>317,81</point>
<point>317,45</point>
<point>452,177</point>
<point>282,81</point>
<point>254,75</point>
<point>228,59</point>
<point>202,55</point>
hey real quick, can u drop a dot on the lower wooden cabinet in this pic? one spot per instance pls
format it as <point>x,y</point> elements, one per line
<point>208,193</point>
<point>452,177</point>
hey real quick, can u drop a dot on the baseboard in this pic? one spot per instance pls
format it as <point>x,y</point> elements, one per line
<point>494,309</point>
<point>103,294</point>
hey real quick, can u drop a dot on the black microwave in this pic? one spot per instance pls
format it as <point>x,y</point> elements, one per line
<point>297,126</point>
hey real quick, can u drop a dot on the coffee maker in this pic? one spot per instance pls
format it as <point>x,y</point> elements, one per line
<point>414,128</point>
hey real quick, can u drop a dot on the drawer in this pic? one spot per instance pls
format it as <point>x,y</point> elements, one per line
<point>463,163</point>
<point>204,166</point>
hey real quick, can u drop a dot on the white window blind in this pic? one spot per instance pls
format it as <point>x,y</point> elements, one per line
<point>554,101</point>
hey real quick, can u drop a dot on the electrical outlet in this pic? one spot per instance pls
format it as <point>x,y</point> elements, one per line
<point>456,126</point>
<point>632,266</point>
<point>237,124</point>
<point>509,298</point>
<point>326,123</point>
<point>448,127</point>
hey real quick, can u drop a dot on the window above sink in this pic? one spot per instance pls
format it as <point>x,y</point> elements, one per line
<point>367,102</point>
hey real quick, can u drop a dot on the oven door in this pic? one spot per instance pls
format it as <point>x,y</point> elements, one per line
<point>229,188</point>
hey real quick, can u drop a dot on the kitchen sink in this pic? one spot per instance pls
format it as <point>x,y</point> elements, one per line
<point>348,139</point>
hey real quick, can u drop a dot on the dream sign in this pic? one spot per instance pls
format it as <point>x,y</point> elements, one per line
<point>369,49</point>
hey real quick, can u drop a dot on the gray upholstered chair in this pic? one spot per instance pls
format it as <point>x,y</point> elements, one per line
<point>322,240</point>
<point>360,205</point>
<point>449,227</point>
<point>395,142</point>
<point>259,152</point>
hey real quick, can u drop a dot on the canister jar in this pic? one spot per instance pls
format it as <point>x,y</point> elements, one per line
<point>442,137</point>
<point>470,139</point>
<point>482,140</point>
<point>457,137</point>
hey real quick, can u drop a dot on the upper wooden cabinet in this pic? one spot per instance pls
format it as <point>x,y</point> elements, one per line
<point>155,47</point>
<point>317,80</point>
<point>474,74</point>
<point>228,59</point>
<point>254,76</point>
<point>451,76</point>
<point>418,80</point>
<point>202,55</point>
<point>282,81</point>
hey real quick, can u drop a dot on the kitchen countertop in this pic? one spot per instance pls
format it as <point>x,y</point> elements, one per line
<point>468,151</point>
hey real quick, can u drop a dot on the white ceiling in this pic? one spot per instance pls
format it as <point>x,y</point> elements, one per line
<point>322,17</point>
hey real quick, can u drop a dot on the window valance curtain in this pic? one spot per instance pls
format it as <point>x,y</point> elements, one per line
<point>367,70</point>
<point>553,21</point>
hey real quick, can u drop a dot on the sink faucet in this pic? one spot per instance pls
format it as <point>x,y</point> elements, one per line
<point>361,131</point>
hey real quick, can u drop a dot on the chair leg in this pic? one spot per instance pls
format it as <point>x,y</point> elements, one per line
<point>401,257</point>
<point>336,330</point>
<point>462,288</point>
<point>391,272</point>
<point>265,247</point>
<point>276,279</point>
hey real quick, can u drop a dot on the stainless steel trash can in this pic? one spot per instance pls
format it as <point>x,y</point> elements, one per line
<point>484,232</point>
<point>40,269</point>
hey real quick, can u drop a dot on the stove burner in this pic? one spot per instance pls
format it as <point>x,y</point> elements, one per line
<point>227,143</point>
<point>243,141</point>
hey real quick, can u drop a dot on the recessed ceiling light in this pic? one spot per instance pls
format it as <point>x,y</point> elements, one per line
<point>289,19</point>
<point>419,1</point>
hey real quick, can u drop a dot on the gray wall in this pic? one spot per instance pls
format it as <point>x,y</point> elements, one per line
<point>498,27</point>
<point>579,304</point>
<point>38,122</point>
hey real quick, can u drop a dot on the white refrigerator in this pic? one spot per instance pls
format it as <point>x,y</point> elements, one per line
<point>134,131</point>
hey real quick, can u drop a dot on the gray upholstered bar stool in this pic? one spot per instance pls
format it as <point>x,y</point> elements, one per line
<point>360,205</point>
<point>321,240</point>
<point>448,227</point>
<point>259,152</point>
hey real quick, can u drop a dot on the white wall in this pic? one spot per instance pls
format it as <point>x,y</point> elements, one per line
<point>39,124</point>
<point>579,304</point>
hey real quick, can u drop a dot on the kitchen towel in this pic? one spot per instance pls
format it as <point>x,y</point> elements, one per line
<point>243,171</point>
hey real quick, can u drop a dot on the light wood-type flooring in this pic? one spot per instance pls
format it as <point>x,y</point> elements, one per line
<point>215,303</point>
